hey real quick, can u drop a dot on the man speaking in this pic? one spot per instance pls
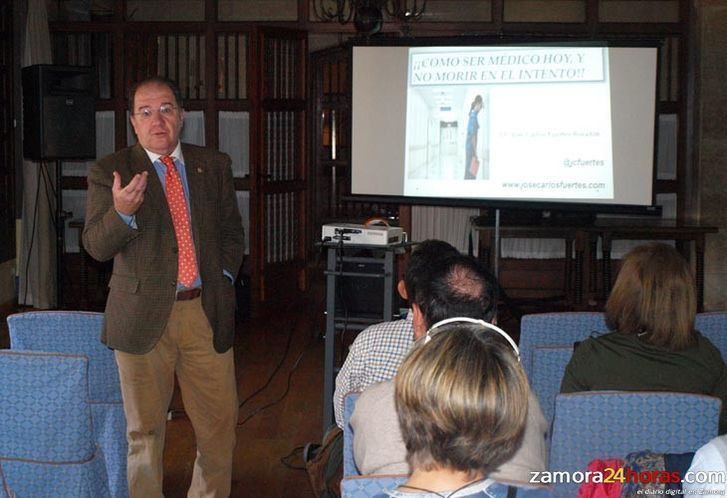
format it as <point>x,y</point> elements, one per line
<point>166,212</point>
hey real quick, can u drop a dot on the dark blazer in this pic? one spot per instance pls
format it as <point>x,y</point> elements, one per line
<point>143,284</point>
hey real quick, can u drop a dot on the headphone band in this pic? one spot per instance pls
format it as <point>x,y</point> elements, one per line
<point>482,323</point>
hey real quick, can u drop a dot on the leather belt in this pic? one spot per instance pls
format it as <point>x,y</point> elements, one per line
<point>186,295</point>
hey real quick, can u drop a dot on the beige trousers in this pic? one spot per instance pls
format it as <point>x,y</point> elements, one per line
<point>209,392</point>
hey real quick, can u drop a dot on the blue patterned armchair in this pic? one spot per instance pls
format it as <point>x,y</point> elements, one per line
<point>556,329</point>
<point>549,364</point>
<point>368,486</point>
<point>79,332</point>
<point>74,332</point>
<point>5,491</point>
<point>349,465</point>
<point>713,325</point>
<point>47,446</point>
<point>608,424</point>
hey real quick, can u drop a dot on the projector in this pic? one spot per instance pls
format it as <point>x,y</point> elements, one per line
<point>374,235</point>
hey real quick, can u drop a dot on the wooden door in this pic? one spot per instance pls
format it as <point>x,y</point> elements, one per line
<point>7,135</point>
<point>278,171</point>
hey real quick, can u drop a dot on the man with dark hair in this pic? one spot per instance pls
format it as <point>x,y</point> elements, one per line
<point>423,258</point>
<point>457,286</point>
<point>167,214</point>
<point>377,351</point>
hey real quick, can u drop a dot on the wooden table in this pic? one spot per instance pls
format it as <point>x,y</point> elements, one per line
<point>567,233</point>
<point>682,233</point>
<point>581,264</point>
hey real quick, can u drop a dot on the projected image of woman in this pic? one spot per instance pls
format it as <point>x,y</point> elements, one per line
<point>472,162</point>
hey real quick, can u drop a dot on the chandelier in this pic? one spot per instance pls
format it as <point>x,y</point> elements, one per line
<point>403,11</point>
<point>406,10</point>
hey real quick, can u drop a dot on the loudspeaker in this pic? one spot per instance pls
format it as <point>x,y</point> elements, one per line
<point>59,112</point>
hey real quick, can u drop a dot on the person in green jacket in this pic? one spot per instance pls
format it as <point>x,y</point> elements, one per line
<point>653,346</point>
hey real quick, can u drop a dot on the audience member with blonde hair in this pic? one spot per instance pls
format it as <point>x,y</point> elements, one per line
<point>654,346</point>
<point>459,427</point>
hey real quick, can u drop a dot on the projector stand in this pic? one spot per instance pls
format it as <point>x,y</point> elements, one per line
<point>334,273</point>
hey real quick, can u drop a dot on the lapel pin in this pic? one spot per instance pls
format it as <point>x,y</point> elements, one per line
<point>199,170</point>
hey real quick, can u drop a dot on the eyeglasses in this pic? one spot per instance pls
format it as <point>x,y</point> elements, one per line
<point>165,111</point>
<point>482,323</point>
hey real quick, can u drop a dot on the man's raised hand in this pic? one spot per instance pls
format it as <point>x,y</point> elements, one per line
<point>128,199</point>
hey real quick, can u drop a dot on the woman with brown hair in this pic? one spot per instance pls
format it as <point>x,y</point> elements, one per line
<point>462,400</point>
<point>654,346</point>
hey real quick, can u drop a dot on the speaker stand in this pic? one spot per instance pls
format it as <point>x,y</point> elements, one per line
<point>60,235</point>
